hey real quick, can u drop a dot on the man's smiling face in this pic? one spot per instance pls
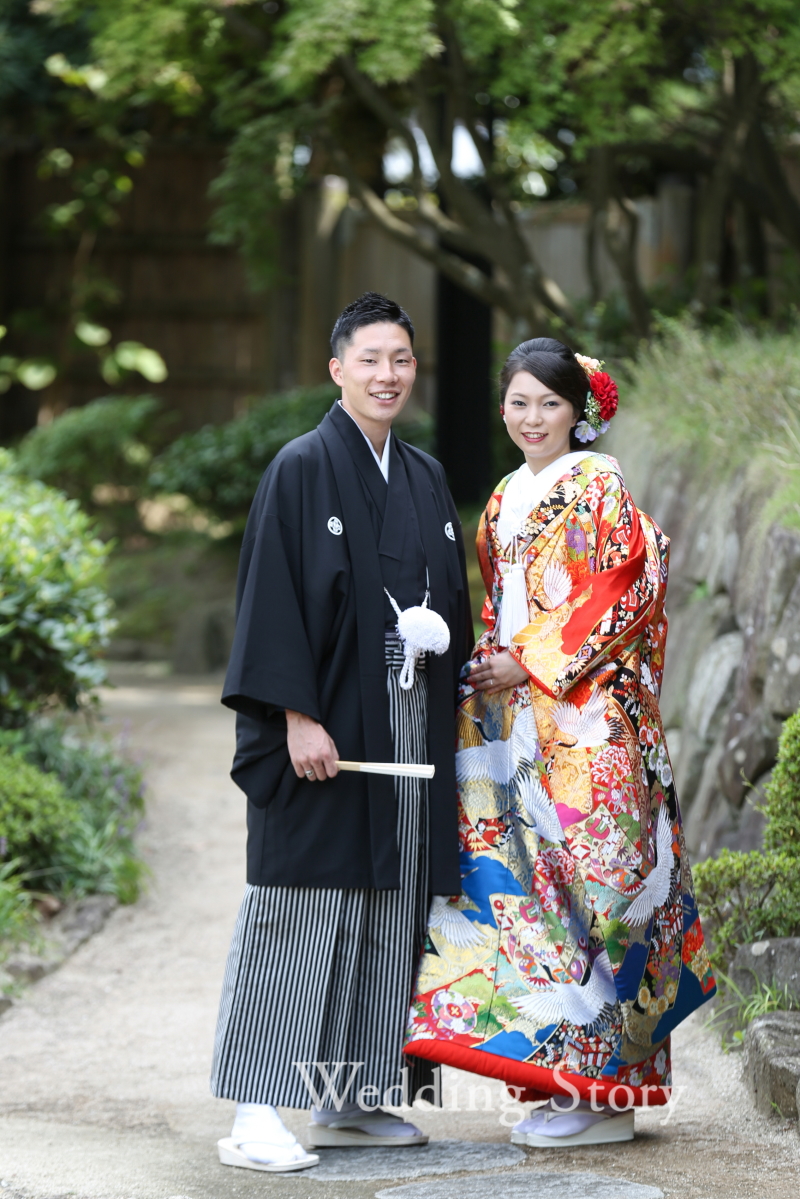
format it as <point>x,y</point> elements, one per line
<point>376,373</point>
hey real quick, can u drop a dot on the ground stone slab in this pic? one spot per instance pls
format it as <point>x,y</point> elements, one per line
<point>523,1185</point>
<point>438,1157</point>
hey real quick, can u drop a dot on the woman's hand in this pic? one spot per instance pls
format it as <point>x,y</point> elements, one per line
<point>312,751</point>
<point>497,673</point>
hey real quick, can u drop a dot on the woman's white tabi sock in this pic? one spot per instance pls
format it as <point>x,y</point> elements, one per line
<point>263,1137</point>
<point>559,1118</point>
<point>373,1121</point>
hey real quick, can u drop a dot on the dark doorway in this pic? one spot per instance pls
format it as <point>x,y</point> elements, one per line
<point>464,391</point>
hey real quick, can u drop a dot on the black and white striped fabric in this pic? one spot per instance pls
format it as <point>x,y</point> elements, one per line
<point>317,975</point>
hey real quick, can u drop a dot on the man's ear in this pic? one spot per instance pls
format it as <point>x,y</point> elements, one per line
<point>335,367</point>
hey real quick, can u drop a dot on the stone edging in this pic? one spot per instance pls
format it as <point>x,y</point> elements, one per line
<point>64,934</point>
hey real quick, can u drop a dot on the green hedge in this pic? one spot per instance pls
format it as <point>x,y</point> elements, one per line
<point>54,613</point>
<point>220,466</point>
<point>107,443</point>
<point>36,813</point>
<point>95,804</point>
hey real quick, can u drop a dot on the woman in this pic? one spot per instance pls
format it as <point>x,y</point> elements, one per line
<point>575,947</point>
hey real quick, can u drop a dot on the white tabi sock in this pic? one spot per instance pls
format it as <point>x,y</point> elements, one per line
<point>263,1137</point>
<point>374,1121</point>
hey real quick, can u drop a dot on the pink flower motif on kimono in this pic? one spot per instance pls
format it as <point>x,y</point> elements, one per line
<point>453,1012</point>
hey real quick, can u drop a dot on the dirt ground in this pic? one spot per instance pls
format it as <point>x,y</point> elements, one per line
<point>104,1065</point>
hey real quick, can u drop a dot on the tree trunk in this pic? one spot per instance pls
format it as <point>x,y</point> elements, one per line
<point>741,105</point>
<point>619,221</point>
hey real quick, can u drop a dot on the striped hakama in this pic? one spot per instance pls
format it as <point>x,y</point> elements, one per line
<point>322,975</point>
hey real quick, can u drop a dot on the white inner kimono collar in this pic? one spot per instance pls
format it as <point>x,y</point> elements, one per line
<point>383,462</point>
<point>524,490</point>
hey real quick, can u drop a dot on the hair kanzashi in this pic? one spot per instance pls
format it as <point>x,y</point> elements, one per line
<point>370,309</point>
<point>567,375</point>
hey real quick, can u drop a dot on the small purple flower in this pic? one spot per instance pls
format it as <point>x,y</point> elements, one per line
<point>3,846</point>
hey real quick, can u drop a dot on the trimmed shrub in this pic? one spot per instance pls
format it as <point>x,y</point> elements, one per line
<point>98,454</point>
<point>220,466</point>
<point>782,805</point>
<point>106,792</point>
<point>54,613</point>
<point>745,897</point>
<point>36,813</point>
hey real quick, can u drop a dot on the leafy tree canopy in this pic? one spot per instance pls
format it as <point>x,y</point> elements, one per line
<point>594,99</point>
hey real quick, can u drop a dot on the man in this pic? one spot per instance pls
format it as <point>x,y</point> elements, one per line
<point>347,522</point>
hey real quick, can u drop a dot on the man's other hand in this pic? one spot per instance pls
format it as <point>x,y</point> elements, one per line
<point>312,751</point>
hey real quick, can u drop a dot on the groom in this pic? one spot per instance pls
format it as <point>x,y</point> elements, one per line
<point>340,866</point>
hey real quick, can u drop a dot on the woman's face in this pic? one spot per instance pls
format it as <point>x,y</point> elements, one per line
<point>538,420</point>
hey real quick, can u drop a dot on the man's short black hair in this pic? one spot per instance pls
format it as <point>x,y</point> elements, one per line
<point>370,309</point>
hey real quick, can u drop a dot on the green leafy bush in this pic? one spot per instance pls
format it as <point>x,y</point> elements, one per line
<point>36,813</point>
<point>16,909</point>
<point>54,614</point>
<point>98,454</point>
<point>782,806</point>
<point>746,897</point>
<point>220,466</point>
<point>106,791</point>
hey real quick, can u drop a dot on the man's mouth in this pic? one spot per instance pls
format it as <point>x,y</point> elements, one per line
<point>384,395</point>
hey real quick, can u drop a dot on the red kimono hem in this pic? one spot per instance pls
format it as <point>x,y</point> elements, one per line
<point>538,1078</point>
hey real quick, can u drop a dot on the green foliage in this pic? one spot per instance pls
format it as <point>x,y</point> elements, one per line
<point>737,1009</point>
<point>728,396</point>
<point>745,897</point>
<point>94,851</point>
<point>220,466</point>
<point>729,391</point>
<point>99,455</point>
<point>782,806</point>
<point>16,912</point>
<point>54,613</point>
<point>36,813</point>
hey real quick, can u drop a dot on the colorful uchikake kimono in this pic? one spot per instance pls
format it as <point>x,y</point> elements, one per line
<point>575,946</point>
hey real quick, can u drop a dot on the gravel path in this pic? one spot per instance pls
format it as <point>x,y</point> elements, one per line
<point>104,1065</point>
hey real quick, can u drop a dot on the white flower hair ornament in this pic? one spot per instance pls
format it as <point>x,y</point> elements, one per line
<point>602,399</point>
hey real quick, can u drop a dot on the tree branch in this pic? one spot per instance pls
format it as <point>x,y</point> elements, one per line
<point>371,97</point>
<point>461,272</point>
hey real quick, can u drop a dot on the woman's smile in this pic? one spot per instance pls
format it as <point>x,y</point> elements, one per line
<point>537,420</point>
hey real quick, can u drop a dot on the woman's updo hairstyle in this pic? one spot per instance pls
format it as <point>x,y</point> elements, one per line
<point>554,365</point>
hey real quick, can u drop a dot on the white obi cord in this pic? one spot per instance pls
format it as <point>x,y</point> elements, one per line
<point>422,631</point>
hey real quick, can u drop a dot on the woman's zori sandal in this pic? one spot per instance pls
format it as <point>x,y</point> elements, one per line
<point>561,1125</point>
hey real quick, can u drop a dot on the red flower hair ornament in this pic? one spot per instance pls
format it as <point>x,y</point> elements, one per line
<point>602,399</point>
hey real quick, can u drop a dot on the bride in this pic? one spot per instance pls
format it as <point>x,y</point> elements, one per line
<point>575,947</point>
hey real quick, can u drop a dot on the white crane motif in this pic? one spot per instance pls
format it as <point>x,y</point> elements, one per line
<point>540,808</point>
<point>577,1004</point>
<point>584,726</point>
<point>499,761</point>
<point>455,927</point>
<point>654,890</point>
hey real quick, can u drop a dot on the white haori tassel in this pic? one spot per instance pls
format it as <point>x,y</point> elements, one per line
<point>422,632</point>
<point>514,614</point>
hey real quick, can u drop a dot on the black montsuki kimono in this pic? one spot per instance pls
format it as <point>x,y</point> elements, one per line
<point>324,536</point>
